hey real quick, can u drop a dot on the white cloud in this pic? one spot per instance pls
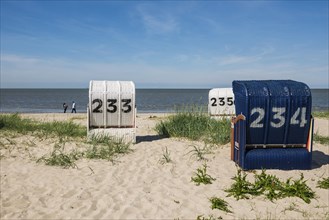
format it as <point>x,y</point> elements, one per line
<point>238,59</point>
<point>158,23</point>
<point>234,59</point>
<point>18,59</point>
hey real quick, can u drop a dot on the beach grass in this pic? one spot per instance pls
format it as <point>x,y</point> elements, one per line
<point>14,122</point>
<point>195,124</point>
<point>58,157</point>
<point>321,139</point>
<point>199,153</point>
<point>210,217</point>
<point>321,114</point>
<point>104,147</point>
<point>100,147</point>
<point>165,157</point>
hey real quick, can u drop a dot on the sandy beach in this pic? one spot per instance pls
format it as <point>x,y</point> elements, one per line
<point>138,185</point>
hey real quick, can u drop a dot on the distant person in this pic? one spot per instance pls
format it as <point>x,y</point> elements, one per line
<point>65,107</point>
<point>73,108</point>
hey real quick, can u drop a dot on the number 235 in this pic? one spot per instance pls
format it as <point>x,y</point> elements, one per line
<point>221,101</point>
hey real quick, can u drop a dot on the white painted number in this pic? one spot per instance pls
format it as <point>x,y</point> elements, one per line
<point>278,116</point>
<point>261,114</point>
<point>295,121</point>
<point>278,119</point>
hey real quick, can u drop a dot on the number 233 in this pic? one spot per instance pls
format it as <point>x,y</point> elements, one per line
<point>112,105</point>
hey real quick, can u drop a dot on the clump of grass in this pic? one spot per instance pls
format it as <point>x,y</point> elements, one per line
<point>104,147</point>
<point>101,147</point>
<point>321,114</point>
<point>322,139</point>
<point>266,184</point>
<point>59,158</point>
<point>297,188</point>
<point>201,176</point>
<point>324,183</point>
<point>195,125</point>
<point>241,188</point>
<point>218,203</point>
<point>210,217</point>
<point>270,186</point>
<point>198,152</point>
<point>165,157</point>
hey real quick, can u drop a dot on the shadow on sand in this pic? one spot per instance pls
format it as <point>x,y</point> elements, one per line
<point>319,159</point>
<point>148,138</point>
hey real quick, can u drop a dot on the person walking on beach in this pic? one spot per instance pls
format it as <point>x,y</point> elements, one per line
<point>65,107</point>
<point>73,108</point>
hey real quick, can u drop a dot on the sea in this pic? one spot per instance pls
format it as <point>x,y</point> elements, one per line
<point>147,100</point>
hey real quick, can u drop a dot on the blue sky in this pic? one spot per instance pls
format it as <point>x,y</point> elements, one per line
<point>162,44</point>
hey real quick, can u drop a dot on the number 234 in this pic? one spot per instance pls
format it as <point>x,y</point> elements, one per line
<point>278,120</point>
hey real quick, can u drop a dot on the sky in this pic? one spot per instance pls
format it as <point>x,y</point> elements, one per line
<point>162,44</point>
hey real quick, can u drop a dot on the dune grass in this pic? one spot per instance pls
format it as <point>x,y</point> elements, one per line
<point>14,122</point>
<point>104,147</point>
<point>321,139</point>
<point>194,124</point>
<point>58,157</point>
<point>100,147</point>
<point>210,217</point>
<point>165,157</point>
<point>199,153</point>
<point>321,114</point>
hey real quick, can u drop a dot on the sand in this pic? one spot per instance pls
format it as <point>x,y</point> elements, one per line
<point>138,185</point>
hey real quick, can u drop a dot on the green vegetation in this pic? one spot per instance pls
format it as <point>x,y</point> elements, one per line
<point>321,139</point>
<point>195,125</point>
<point>322,114</point>
<point>104,147</point>
<point>199,152</point>
<point>202,176</point>
<point>59,158</point>
<point>218,203</point>
<point>14,122</point>
<point>324,183</point>
<point>210,217</point>
<point>165,157</point>
<point>100,147</point>
<point>270,186</point>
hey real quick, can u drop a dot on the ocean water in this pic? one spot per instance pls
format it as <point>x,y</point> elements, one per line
<point>147,100</point>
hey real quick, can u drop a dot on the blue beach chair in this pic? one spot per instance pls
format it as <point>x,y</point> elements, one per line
<point>273,128</point>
